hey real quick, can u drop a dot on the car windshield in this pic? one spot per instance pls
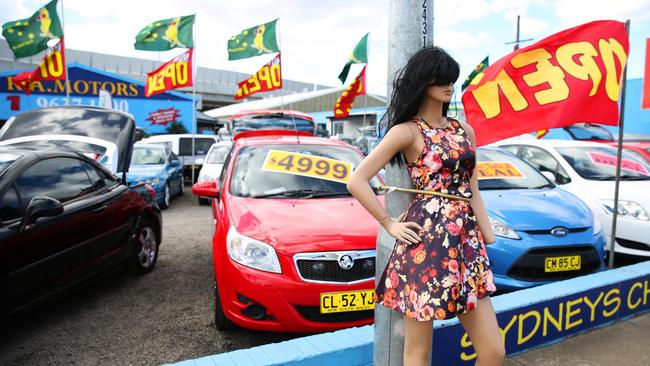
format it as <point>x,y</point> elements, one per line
<point>6,159</point>
<point>501,170</point>
<point>637,155</point>
<point>218,154</point>
<point>278,171</point>
<point>599,163</point>
<point>147,156</point>
<point>201,145</point>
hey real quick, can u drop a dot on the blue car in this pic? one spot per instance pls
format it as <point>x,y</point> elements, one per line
<point>544,233</point>
<point>159,167</point>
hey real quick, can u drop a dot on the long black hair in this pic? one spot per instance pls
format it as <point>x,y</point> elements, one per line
<point>429,66</point>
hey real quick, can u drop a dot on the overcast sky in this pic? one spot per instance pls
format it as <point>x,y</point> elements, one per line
<point>317,36</point>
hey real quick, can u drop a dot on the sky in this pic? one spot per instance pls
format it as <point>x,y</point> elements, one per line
<point>316,37</point>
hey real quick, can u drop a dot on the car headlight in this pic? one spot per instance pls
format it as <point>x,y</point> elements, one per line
<point>598,227</point>
<point>503,230</point>
<point>629,209</point>
<point>152,181</point>
<point>252,253</point>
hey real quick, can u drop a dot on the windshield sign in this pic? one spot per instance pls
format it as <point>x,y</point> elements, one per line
<point>501,170</point>
<point>294,171</point>
<point>599,163</point>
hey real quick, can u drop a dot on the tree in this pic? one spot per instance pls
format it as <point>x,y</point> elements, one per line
<point>176,128</point>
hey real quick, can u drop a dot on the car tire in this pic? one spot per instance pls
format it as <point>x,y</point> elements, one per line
<point>220,320</point>
<point>204,201</point>
<point>167,197</point>
<point>145,247</point>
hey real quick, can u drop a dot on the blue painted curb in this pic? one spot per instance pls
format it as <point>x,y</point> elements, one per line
<point>528,318</point>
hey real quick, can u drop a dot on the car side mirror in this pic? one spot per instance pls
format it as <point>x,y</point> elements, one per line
<point>206,189</point>
<point>40,206</point>
<point>549,175</point>
<point>175,162</point>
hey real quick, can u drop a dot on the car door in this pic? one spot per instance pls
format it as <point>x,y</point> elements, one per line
<point>174,172</point>
<point>48,255</point>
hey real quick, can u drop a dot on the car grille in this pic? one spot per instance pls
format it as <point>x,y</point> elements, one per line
<point>530,266</point>
<point>324,267</point>
<point>548,232</point>
<point>633,244</point>
<point>312,313</point>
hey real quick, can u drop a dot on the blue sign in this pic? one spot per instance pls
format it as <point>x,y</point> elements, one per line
<point>548,321</point>
<point>152,114</point>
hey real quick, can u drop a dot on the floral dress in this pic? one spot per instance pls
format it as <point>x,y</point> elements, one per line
<point>448,271</point>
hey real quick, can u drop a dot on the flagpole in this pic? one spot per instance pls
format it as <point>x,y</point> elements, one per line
<point>619,156</point>
<point>194,70</point>
<point>63,51</point>
<point>365,81</point>
<point>280,47</point>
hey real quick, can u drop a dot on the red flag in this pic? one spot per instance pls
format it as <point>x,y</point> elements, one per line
<point>267,78</point>
<point>645,104</point>
<point>51,67</point>
<point>177,73</point>
<point>572,76</point>
<point>344,103</point>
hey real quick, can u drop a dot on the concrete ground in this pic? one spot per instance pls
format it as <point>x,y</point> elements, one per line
<point>623,344</point>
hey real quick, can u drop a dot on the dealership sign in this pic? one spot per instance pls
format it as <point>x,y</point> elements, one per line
<point>85,84</point>
<point>546,318</point>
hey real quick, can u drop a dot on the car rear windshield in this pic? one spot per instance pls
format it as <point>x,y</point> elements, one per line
<point>501,170</point>
<point>252,176</point>
<point>201,146</point>
<point>218,155</point>
<point>599,163</point>
<point>265,122</point>
<point>147,156</point>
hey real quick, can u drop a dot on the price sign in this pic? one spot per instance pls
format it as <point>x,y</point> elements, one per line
<point>307,165</point>
<point>497,170</point>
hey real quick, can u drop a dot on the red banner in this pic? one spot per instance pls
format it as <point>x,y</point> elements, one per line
<point>51,67</point>
<point>174,74</point>
<point>163,117</point>
<point>570,77</point>
<point>344,103</point>
<point>645,103</point>
<point>268,78</point>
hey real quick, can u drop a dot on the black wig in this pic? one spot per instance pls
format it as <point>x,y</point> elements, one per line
<point>428,66</point>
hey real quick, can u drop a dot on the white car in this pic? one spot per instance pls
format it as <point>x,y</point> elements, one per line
<point>181,145</point>
<point>213,164</point>
<point>588,170</point>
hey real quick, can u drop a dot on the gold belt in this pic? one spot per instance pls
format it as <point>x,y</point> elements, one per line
<point>389,189</point>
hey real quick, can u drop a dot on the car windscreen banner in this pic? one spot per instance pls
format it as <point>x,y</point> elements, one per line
<point>174,74</point>
<point>267,78</point>
<point>51,67</point>
<point>572,76</point>
<point>497,170</point>
<point>307,165</point>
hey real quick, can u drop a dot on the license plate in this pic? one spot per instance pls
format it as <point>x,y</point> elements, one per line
<point>561,264</point>
<point>336,302</point>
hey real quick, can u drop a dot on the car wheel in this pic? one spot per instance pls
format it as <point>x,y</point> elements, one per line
<point>145,248</point>
<point>166,197</point>
<point>220,320</point>
<point>204,201</point>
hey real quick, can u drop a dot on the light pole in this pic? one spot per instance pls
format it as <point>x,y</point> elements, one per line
<point>409,29</point>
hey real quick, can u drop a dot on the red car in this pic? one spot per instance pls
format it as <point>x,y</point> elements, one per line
<point>293,250</point>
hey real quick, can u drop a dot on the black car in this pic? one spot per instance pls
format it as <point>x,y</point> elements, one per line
<point>64,216</point>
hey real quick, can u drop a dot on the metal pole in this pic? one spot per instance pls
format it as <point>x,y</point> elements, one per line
<point>365,81</point>
<point>410,28</point>
<point>67,71</point>
<point>195,69</point>
<point>619,154</point>
<point>280,47</point>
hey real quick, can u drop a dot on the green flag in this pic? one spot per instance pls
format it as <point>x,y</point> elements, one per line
<point>27,37</point>
<point>253,42</point>
<point>358,56</point>
<point>166,34</point>
<point>480,67</point>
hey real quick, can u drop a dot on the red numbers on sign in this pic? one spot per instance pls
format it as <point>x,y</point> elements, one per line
<point>15,102</point>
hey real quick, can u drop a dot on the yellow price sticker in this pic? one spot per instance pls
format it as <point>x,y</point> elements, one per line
<point>307,165</point>
<point>497,170</point>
